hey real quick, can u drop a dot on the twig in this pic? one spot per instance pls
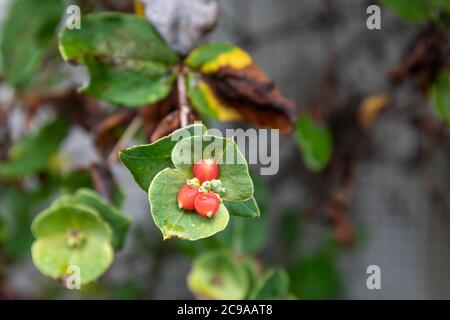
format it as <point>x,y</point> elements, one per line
<point>129,133</point>
<point>182,100</point>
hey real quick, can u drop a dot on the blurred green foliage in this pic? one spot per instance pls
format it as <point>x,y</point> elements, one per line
<point>419,10</point>
<point>26,37</point>
<point>440,97</point>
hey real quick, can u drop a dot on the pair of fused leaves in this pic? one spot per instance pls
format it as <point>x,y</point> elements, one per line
<point>130,64</point>
<point>315,142</point>
<point>220,276</point>
<point>34,152</point>
<point>161,168</point>
<point>80,230</point>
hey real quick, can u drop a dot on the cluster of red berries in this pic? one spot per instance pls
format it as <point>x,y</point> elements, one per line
<point>204,203</point>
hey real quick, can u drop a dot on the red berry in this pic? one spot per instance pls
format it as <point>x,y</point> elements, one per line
<point>206,169</point>
<point>207,204</point>
<point>186,197</point>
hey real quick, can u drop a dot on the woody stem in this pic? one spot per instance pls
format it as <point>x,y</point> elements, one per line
<point>182,100</point>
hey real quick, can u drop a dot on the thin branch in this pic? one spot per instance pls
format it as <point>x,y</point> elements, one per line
<point>182,100</point>
<point>129,133</point>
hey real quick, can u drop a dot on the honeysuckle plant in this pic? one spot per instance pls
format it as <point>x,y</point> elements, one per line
<point>151,81</point>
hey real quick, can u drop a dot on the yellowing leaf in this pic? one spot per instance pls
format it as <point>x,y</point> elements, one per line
<point>235,59</point>
<point>224,113</point>
<point>370,108</point>
<point>240,84</point>
<point>210,58</point>
<point>205,101</point>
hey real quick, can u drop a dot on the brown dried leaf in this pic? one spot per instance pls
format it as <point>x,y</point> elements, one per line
<point>170,123</point>
<point>255,96</point>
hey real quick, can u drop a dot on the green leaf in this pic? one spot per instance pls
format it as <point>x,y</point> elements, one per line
<point>246,209</point>
<point>118,222</point>
<point>233,169</point>
<point>133,85</point>
<point>315,143</point>
<point>176,222</point>
<point>32,154</point>
<point>440,96</point>
<point>145,161</point>
<point>217,275</point>
<point>244,235</point>
<point>3,230</point>
<point>128,61</point>
<point>274,286</point>
<point>27,33</point>
<point>54,251</point>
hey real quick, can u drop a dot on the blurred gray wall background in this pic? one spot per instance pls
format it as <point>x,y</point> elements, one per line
<point>404,234</point>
